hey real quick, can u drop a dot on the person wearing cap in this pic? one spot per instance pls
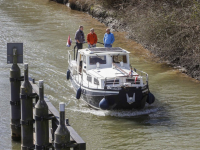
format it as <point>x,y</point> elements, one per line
<point>91,39</point>
<point>108,38</point>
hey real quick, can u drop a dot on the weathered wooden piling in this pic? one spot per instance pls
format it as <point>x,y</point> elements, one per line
<point>26,112</point>
<point>15,83</point>
<point>62,134</point>
<point>41,121</point>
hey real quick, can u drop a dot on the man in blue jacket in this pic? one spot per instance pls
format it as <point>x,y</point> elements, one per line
<point>108,38</point>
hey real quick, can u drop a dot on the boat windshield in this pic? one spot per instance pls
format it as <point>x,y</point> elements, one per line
<point>95,59</point>
<point>119,58</point>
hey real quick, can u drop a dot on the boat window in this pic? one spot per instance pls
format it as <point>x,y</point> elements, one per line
<point>96,81</point>
<point>89,78</point>
<point>119,58</point>
<point>95,59</point>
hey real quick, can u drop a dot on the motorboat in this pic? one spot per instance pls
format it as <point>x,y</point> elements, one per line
<point>104,79</point>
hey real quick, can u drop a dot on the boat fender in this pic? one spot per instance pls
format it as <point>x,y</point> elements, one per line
<point>78,93</point>
<point>103,104</point>
<point>68,74</point>
<point>150,98</point>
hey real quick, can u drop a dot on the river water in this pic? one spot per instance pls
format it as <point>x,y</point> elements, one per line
<point>172,122</point>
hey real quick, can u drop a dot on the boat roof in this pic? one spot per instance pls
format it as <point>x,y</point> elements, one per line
<point>104,50</point>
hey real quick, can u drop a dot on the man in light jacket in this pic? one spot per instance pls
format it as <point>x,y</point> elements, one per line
<point>108,38</point>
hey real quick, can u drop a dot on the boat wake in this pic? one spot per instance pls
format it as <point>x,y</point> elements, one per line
<point>117,113</point>
<point>132,113</point>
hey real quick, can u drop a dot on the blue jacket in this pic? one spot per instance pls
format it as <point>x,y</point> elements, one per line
<point>108,38</point>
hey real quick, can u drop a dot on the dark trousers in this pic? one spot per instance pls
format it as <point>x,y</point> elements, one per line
<point>78,46</point>
<point>107,45</point>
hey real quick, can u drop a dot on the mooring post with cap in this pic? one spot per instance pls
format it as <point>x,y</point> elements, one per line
<point>26,112</point>
<point>15,83</point>
<point>62,134</point>
<point>41,121</point>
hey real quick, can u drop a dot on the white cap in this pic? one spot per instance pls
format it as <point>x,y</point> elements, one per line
<point>14,51</point>
<point>25,66</point>
<point>41,83</point>
<point>62,106</point>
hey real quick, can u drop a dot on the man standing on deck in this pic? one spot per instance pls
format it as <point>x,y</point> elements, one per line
<point>108,38</point>
<point>80,39</point>
<point>91,39</point>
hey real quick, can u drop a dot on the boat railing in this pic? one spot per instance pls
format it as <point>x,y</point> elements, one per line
<point>77,75</point>
<point>110,82</point>
<point>75,72</point>
<point>141,73</point>
<point>69,55</point>
<point>144,75</point>
<point>115,82</point>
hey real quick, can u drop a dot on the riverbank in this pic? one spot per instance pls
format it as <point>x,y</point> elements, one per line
<point>170,30</point>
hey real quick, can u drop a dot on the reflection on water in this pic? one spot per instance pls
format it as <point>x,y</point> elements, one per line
<point>43,26</point>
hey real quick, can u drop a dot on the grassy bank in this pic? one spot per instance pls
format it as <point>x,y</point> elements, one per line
<point>169,29</point>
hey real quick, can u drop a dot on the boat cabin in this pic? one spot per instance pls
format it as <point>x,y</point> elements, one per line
<point>100,67</point>
<point>96,58</point>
